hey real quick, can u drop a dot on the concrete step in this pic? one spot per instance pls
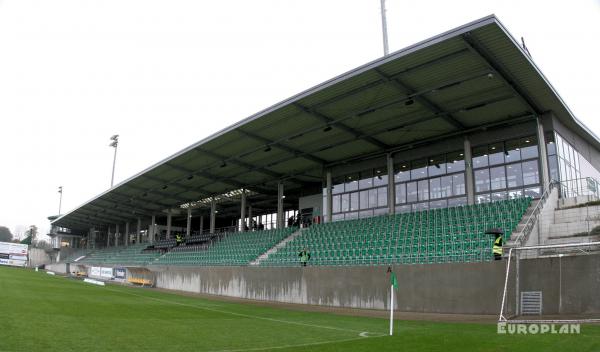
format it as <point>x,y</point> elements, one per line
<point>276,247</point>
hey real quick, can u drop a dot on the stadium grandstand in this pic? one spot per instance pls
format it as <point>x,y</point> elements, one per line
<point>407,162</point>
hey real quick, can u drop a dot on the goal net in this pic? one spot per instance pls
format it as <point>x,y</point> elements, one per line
<point>551,284</point>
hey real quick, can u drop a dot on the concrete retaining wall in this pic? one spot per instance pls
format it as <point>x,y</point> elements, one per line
<point>38,256</point>
<point>60,268</point>
<point>465,288</point>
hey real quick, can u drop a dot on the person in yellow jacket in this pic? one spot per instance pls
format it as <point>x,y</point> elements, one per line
<point>497,249</point>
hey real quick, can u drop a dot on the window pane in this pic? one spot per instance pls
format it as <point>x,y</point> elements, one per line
<point>403,173</point>
<point>381,177</point>
<point>533,192</point>
<point>403,209</point>
<point>496,196</point>
<point>364,199</point>
<point>365,214</point>
<point>530,173</point>
<point>529,147</point>
<point>437,165</point>
<point>514,175</point>
<point>550,145</point>
<point>336,203</point>
<point>496,153</point>
<point>373,198</point>
<point>482,180</point>
<point>382,196</point>
<point>345,202</point>
<point>438,204</point>
<point>480,157</point>
<point>366,179</point>
<point>435,187</point>
<point>419,169</point>
<point>452,202</point>
<point>498,177</point>
<point>352,182</point>
<point>455,162</point>
<point>513,151</point>
<point>420,206</point>
<point>458,184</point>
<point>354,201</point>
<point>423,190</point>
<point>446,186</point>
<point>515,194</point>
<point>400,193</point>
<point>380,211</point>
<point>353,215</point>
<point>337,188</point>
<point>338,217</point>
<point>482,198</point>
<point>411,192</point>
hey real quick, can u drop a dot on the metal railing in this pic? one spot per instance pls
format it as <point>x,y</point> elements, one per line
<point>533,217</point>
<point>580,187</point>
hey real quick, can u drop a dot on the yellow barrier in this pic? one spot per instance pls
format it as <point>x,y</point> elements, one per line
<point>140,281</point>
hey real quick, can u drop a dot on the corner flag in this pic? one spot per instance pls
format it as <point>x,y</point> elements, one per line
<point>394,280</point>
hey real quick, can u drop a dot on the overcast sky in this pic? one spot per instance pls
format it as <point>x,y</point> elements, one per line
<point>165,74</point>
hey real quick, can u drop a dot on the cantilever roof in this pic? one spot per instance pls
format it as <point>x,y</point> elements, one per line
<point>472,76</point>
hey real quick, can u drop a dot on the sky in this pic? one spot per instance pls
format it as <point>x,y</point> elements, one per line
<point>165,74</point>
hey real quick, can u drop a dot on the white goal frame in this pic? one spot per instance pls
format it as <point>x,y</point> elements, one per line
<point>504,318</point>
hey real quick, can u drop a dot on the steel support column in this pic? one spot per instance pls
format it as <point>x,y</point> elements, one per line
<point>169,219</point>
<point>243,225</point>
<point>126,237</point>
<point>469,182</point>
<point>138,230</point>
<point>188,227</point>
<point>391,185</point>
<point>213,212</point>
<point>328,198</point>
<point>280,196</point>
<point>543,154</point>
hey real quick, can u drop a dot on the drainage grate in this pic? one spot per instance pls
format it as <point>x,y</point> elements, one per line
<point>531,303</point>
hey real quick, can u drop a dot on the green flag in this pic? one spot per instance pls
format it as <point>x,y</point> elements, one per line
<point>393,280</point>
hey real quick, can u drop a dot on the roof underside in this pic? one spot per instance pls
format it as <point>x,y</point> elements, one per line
<point>459,81</point>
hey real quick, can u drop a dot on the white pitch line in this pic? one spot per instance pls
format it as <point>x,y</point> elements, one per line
<point>248,315</point>
<point>298,345</point>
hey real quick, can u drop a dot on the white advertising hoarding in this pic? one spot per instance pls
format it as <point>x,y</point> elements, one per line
<point>106,272</point>
<point>14,254</point>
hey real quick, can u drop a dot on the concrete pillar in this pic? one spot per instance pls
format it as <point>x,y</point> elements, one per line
<point>108,236</point>
<point>469,182</point>
<point>243,212</point>
<point>213,212</point>
<point>280,196</point>
<point>391,185</point>
<point>89,238</point>
<point>138,230</point>
<point>545,177</point>
<point>117,233</point>
<point>250,217</point>
<point>126,237</point>
<point>328,197</point>
<point>152,229</point>
<point>169,219</point>
<point>201,223</point>
<point>188,228</point>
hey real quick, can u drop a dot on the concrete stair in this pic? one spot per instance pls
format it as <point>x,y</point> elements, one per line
<point>275,248</point>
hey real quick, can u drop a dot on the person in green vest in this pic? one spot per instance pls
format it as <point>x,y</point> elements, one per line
<point>178,239</point>
<point>497,249</point>
<point>304,256</point>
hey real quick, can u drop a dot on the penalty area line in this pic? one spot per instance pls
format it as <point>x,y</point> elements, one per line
<point>363,334</point>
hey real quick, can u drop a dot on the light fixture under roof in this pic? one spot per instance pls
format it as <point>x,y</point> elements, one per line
<point>223,164</point>
<point>409,102</point>
<point>327,128</point>
<point>267,149</point>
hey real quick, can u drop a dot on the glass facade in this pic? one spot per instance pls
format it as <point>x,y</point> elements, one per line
<point>359,195</point>
<point>434,182</point>
<point>507,170</point>
<point>502,170</point>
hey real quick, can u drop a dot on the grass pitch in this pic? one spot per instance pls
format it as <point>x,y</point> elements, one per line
<point>39,312</point>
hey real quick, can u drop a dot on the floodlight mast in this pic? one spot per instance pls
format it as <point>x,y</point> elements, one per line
<point>59,199</point>
<point>114,144</point>
<point>384,29</point>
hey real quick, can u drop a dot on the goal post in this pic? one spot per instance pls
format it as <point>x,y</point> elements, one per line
<point>526,306</point>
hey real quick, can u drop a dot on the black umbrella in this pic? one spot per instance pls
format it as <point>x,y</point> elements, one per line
<point>494,231</point>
